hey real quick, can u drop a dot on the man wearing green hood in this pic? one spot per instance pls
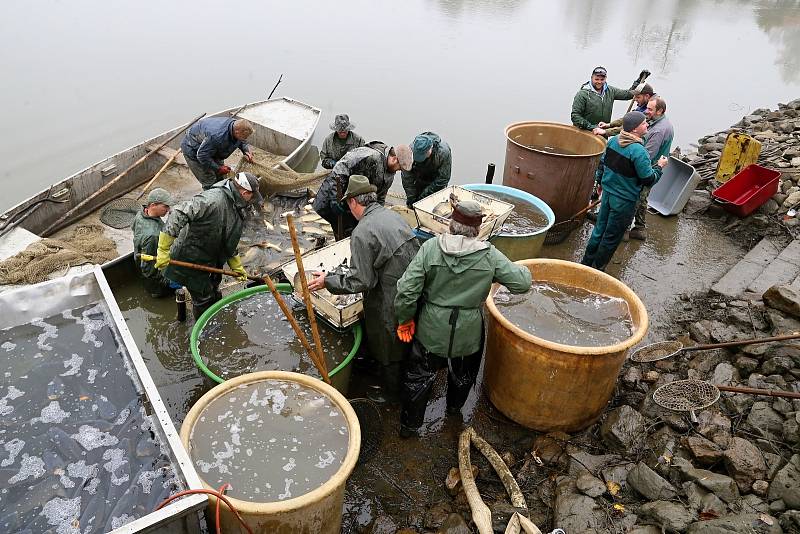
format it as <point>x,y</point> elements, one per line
<point>626,169</point>
<point>448,281</point>
<point>594,102</point>
<point>431,170</point>
<point>147,225</point>
<point>206,230</point>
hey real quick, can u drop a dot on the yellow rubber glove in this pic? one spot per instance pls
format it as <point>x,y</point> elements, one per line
<point>235,263</point>
<point>162,257</point>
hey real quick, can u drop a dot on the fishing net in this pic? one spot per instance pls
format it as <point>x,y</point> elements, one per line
<point>278,180</point>
<point>656,351</point>
<point>84,244</point>
<point>371,423</point>
<point>120,213</point>
<point>686,395</point>
<point>560,231</point>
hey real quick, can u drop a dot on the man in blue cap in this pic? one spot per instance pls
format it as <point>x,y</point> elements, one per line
<point>626,169</point>
<point>431,170</point>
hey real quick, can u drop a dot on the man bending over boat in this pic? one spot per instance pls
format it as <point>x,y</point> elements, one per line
<point>431,170</point>
<point>381,248</point>
<point>147,226</point>
<point>378,162</point>
<point>209,141</point>
<point>207,228</point>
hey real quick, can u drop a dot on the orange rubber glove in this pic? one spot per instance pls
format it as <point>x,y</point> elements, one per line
<point>406,331</point>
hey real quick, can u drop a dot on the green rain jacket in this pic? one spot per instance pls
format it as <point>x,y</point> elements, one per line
<point>208,228</point>
<point>145,241</point>
<point>429,176</point>
<point>334,148</point>
<point>381,247</point>
<point>590,107</point>
<point>448,272</point>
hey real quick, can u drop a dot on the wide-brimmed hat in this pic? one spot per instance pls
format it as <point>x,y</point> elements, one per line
<point>341,123</point>
<point>160,196</point>
<point>358,185</point>
<point>249,182</point>
<point>404,157</point>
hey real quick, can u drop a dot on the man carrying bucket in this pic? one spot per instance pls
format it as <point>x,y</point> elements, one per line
<point>381,247</point>
<point>626,168</point>
<point>448,281</point>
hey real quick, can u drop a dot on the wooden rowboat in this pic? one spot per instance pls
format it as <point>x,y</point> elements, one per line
<point>282,126</point>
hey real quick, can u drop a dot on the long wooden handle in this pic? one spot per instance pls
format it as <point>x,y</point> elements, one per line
<point>754,391</point>
<point>742,343</point>
<point>162,169</point>
<point>274,290</point>
<point>312,318</point>
<point>584,210</point>
<point>60,221</point>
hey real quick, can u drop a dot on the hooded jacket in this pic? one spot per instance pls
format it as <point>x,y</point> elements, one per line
<point>429,176</point>
<point>208,228</point>
<point>145,241</point>
<point>449,272</point>
<point>626,168</point>
<point>589,107</point>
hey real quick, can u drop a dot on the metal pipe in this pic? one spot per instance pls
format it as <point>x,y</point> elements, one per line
<point>180,303</point>
<point>490,173</point>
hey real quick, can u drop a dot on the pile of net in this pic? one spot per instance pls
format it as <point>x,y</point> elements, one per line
<point>84,244</point>
<point>278,180</point>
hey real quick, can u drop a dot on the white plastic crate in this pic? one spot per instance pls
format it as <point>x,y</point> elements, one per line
<point>327,258</point>
<point>436,224</point>
<point>672,191</point>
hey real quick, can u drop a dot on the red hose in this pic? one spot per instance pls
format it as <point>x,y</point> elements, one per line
<point>220,497</point>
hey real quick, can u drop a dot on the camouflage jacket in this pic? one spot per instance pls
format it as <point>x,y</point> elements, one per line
<point>334,148</point>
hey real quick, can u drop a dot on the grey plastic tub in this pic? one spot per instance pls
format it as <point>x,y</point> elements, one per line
<point>672,192</point>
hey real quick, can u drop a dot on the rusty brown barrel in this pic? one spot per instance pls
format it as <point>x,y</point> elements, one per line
<point>554,162</point>
<point>549,386</point>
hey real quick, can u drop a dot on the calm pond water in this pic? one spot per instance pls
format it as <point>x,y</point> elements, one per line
<point>83,80</point>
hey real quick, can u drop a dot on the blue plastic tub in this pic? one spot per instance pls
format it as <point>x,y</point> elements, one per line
<point>518,246</point>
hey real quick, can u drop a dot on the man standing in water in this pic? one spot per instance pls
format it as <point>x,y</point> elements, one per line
<point>207,228</point>
<point>626,168</point>
<point>381,247</point>
<point>594,102</point>
<point>378,162</point>
<point>658,143</point>
<point>147,225</point>
<point>209,141</point>
<point>448,281</point>
<point>430,173</point>
<point>342,140</point>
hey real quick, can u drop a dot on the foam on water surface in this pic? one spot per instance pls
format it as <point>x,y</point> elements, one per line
<point>255,438</point>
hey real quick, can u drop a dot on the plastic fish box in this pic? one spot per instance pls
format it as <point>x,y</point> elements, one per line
<point>747,190</point>
<point>436,224</point>
<point>86,442</point>
<point>327,259</point>
<point>672,191</point>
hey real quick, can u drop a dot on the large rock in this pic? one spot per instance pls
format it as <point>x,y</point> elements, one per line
<point>791,428</point>
<point>725,374</point>
<point>744,463</point>
<point>575,512</point>
<point>671,516</point>
<point>786,484</point>
<point>723,486</point>
<point>698,203</point>
<point>790,521</point>
<point>624,429</point>
<point>764,419</point>
<point>782,297</point>
<point>705,451</point>
<point>590,485</point>
<point>454,524</point>
<point>738,523</point>
<point>649,483</point>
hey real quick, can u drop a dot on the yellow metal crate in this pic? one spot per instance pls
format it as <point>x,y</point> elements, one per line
<point>740,151</point>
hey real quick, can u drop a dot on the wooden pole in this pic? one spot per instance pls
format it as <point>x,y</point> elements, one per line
<point>162,169</point>
<point>274,290</point>
<point>61,220</point>
<point>312,319</point>
<point>765,392</point>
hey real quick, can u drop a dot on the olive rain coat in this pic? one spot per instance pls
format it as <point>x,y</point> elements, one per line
<point>333,148</point>
<point>381,247</point>
<point>590,107</point>
<point>145,241</point>
<point>429,176</point>
<point>449,279</point>
<point>208,228</point>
